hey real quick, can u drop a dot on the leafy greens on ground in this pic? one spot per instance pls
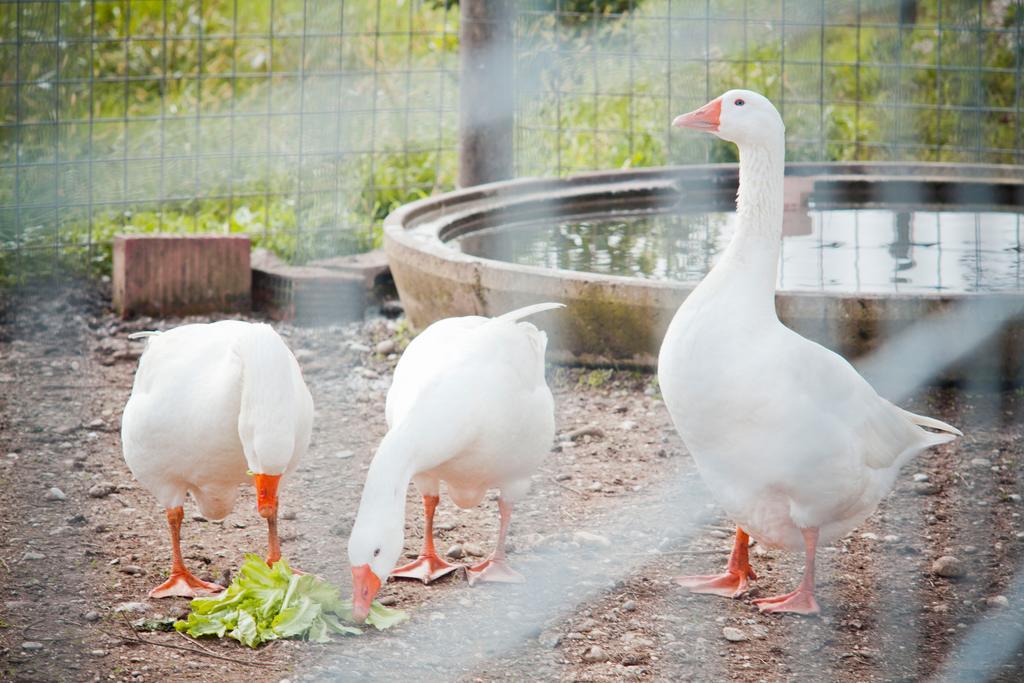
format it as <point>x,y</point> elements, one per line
<point>266,603</point>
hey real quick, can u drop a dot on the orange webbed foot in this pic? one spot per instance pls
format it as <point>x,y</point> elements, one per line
<point>727,585</point>
<point>798,602</point>
<point>493,570</point>
<point>425,568</point>
<point>185,585</point>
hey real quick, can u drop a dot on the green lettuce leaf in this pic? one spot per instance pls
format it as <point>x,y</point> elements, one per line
<point>265,603</point>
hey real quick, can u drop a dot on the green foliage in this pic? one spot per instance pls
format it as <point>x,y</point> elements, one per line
<point>596,378</point>
<point>609,112</point>
<point>264,604</point>
<point>395,178</point>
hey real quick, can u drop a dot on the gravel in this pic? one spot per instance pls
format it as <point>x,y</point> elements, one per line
<point>998,601</point>
<point>948,567</point>
<point>102,490</point>
<point>590,539</point>
<point>733,634</point>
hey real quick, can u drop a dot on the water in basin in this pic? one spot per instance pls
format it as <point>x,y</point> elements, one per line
<point>866,250</point>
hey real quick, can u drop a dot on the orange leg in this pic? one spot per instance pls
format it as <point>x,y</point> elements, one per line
<point>266,505</point>
<point>182,582</point>
<point>428,566</point>
<point>495,568</point>
<point>273,546</point>
<point>800,601</point>
<point>733,583</point>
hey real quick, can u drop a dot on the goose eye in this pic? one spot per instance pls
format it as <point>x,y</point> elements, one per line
<point>739,103</point>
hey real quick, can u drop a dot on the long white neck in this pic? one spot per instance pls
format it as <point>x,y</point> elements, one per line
<point>752,259</point>
<point>388,480</point>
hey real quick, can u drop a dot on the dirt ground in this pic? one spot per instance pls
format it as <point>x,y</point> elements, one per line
<point>76,564</point>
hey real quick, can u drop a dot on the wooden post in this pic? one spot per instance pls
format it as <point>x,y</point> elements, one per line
<point>487,91</point>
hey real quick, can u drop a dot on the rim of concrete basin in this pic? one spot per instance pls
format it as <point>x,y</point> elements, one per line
<point>621,320</point>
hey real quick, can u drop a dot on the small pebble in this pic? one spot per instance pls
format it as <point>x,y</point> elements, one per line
<point>385,347</point>
<point>635,659</point>
<point>969,549</point>
<point>455,552</point>
<point>948,567</point>
<point>925,488</point>
<point>981,462</point>
<point>132,569</point>
<point>472,549</point>
<point>594,654</point>
<point>359,348</point>
<point>55,494</point>
<point>869,536</point>
<point>997,601</point>
<point>920,476</point>
<point>551,640</point>
<point>31,645</point>
<point>101,490</point>
<point>629,606</point>
<point>717,533</point>
<point>587,538</point>
<point>139,607</point>
<point>595,486</point>
<point>98,653</point>
<point>891,538</point>
<point>733,634</point>
<point>343,455</point>
<point>388,600</point>
<point>91,615</point>
<point>289,514</point>
<point>445,526</point>
<point>32,555</point>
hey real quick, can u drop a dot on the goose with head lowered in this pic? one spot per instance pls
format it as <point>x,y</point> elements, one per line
<point>797,447</point>
<point>469,406</point>
<point>212,404</point>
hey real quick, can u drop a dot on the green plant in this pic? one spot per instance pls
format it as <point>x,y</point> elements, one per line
<point>596,378</point>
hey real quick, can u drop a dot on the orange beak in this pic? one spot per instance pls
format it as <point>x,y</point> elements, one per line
<point>705,118</point>
<point>365,585</point>
<point>266,493</point>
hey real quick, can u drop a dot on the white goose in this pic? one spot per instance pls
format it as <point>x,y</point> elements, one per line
<point>796,446</point>
<point>469,406</point>
<point>209,403</point>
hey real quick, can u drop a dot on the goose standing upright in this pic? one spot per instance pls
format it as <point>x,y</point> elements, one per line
<point>469,405</point>
<point>796,446</point>
<point>211,402</point>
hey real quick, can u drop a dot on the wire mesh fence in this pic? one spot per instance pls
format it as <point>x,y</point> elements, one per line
<point>303,122</point>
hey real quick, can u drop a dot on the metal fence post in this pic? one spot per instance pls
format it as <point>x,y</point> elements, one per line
<point>487,92</point>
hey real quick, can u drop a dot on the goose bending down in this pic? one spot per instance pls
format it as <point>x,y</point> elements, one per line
<point>469,406</point>
<point>209,404</point>
<point>796,446</point>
